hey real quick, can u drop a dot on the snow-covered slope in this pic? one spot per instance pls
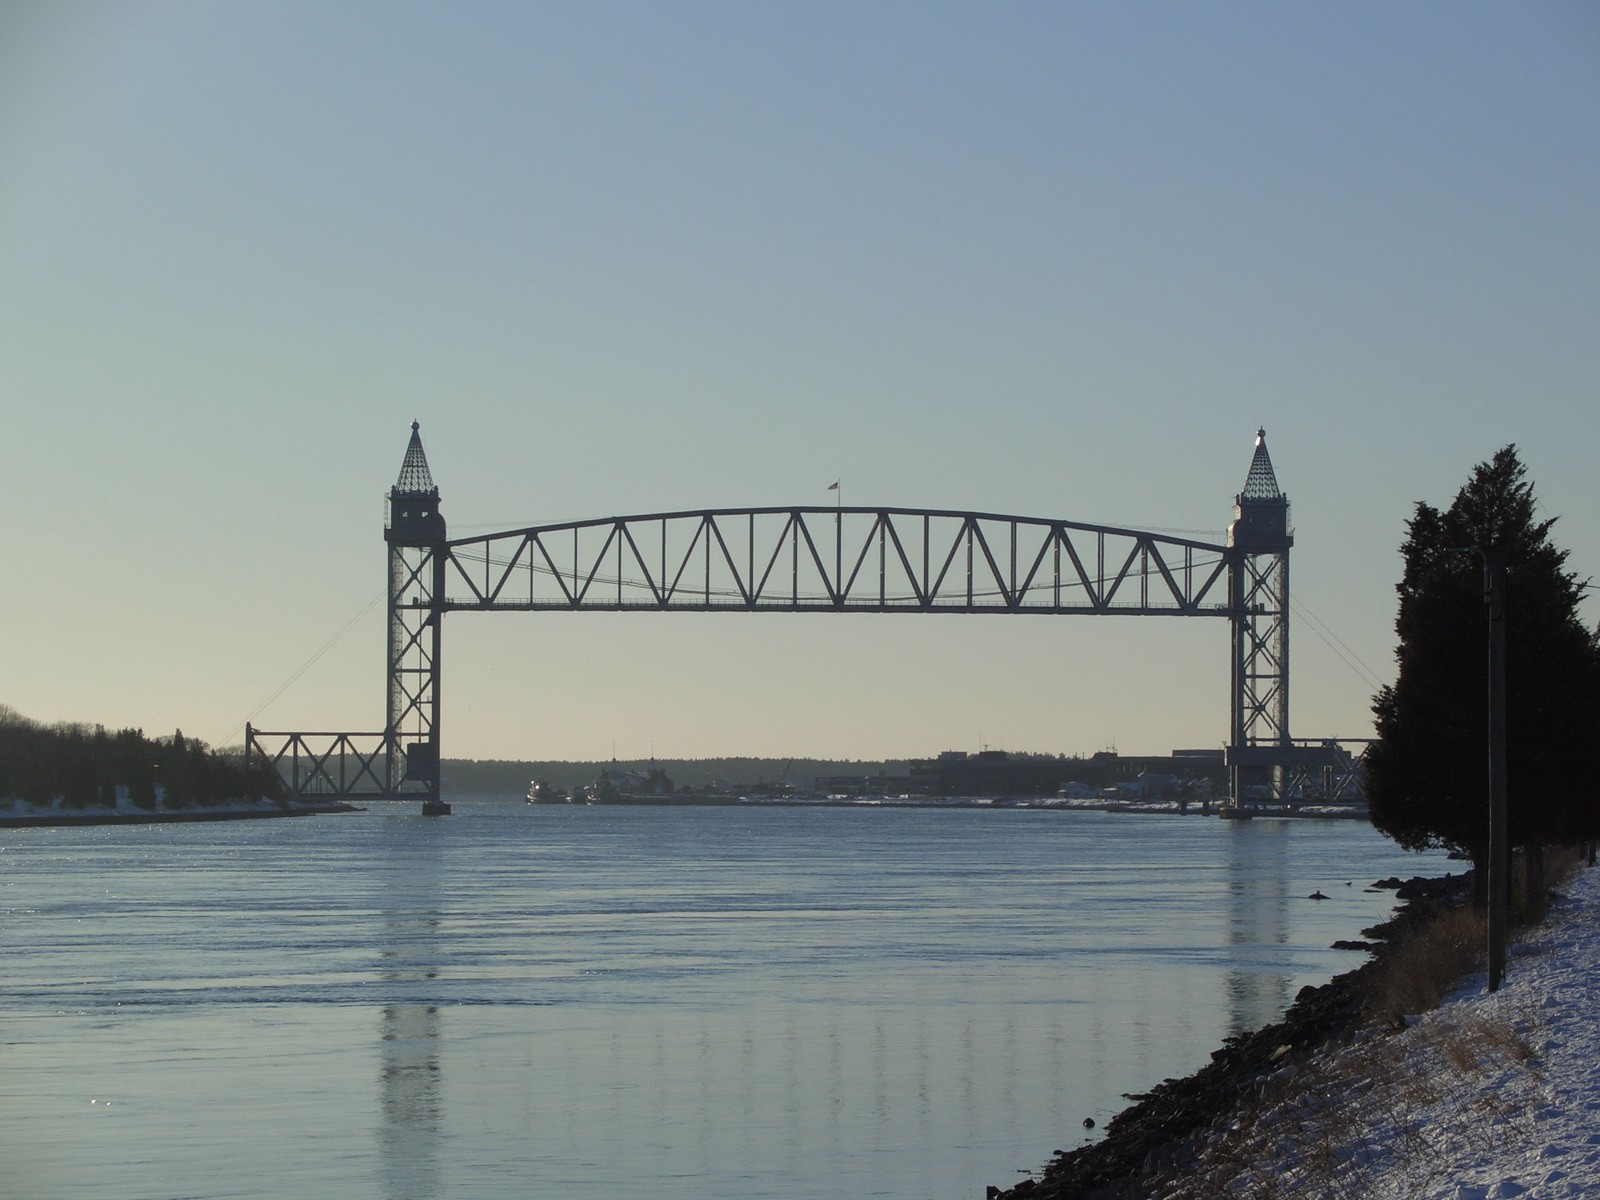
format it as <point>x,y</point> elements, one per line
<point>1484,1098</point>
<point>1517,1109</point>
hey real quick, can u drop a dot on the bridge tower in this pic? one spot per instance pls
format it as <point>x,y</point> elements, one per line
<point>1258,600</point>
<point>415,534</point>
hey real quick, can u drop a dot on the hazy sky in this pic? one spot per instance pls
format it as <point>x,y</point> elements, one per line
<point>1056,259</point>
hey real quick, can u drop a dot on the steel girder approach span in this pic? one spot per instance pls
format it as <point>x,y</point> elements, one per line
<point>806,559</point>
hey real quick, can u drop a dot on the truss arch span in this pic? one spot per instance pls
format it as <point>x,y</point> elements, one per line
<point>817,559</point>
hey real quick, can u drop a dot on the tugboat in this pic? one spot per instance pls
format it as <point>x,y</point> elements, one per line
<point>540,792</point>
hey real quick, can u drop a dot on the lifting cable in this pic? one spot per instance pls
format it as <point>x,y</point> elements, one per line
<point>304,667</point>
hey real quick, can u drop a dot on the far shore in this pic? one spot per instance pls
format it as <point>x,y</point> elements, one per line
<point>23,816</point>
<point>1044,803</point>
<point>15,814</point>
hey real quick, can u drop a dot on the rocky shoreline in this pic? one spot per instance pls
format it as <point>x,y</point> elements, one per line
<point>1158,1137</point>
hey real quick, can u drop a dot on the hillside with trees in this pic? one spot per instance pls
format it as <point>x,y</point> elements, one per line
<point>85,766</point>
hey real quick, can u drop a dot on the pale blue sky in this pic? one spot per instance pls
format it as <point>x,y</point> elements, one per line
<point>1052,259</point>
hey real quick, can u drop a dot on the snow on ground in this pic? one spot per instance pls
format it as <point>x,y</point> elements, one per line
<point>1484,1098</point>
<point>15,811</point>
<point>1521,1115</point>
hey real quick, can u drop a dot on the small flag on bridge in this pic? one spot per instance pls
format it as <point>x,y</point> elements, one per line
<point>834,486</point>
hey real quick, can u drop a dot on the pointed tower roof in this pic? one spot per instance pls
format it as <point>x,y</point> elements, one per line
<point>1260,483</point>
<point>415,478</point>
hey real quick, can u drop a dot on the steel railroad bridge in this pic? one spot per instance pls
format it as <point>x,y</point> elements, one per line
<point>815,559</point>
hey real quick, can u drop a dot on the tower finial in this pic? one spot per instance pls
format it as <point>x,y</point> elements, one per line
<point>415,478</point>
<point>1261,483</point>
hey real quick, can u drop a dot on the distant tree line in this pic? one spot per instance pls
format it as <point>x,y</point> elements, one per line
<point>510,778</point>
<point>85,765</point>
<point>492,777</point>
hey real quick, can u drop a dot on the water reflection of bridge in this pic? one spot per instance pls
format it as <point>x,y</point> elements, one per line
<point>411,1104</point>
<point>817,559</point>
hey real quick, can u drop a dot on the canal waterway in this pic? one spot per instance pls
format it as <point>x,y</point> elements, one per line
<point>676,1003</point>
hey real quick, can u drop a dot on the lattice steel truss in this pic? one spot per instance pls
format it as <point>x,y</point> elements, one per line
<point>806,559</point>
<point>1329,771</point>
<point>836,559</point>
<point>323,764</point>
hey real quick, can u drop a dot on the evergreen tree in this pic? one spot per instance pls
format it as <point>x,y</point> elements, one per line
<point>1427,778</point>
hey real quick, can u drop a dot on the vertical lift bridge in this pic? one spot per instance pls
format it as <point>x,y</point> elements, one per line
<point>815,559</point>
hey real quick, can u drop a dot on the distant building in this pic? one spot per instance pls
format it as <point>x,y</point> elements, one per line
<point>868,785</point>
<point>997,773</point>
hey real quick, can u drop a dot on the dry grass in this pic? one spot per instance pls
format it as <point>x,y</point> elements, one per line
<point>1427,963</point>
<point>1420,969</point>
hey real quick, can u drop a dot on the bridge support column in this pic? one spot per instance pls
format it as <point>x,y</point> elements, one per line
<point>1258,598</point>
<point>1259,589</point>
<point>416,539</point>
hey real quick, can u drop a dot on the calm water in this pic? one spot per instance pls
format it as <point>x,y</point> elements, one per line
<point>696,1003</point>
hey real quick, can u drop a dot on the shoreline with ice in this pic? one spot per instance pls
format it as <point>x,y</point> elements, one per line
<point>18,814</point>
<point>1486,1096</point>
